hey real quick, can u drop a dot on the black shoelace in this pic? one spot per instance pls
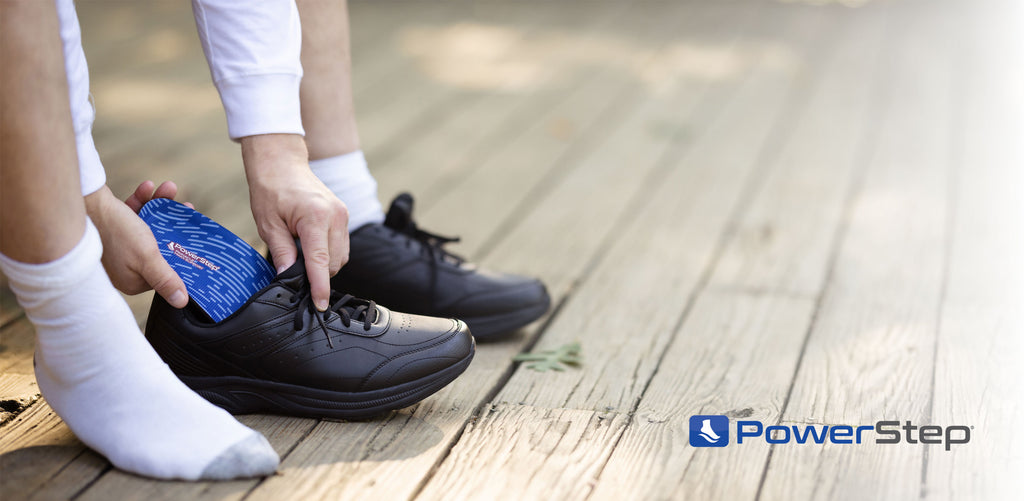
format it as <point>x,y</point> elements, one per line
<point>340,306</point>
<point>432,244</point>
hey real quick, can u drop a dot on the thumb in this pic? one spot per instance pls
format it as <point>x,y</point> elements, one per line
<point>159,275</point>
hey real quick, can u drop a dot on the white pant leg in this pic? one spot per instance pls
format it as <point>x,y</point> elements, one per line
<point>82,112</point>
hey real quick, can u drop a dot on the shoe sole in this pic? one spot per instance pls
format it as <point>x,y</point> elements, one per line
<point>493,326</point>
<point>239,395</point>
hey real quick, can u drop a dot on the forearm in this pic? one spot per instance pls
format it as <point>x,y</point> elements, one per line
<point>328,112</point>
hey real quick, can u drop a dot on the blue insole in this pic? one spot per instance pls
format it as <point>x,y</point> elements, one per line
<point>220,270</point>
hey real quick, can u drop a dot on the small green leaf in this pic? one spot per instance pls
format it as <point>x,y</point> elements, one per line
<point>568,354</point>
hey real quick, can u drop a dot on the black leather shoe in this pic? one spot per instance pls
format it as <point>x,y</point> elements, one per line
<point>278,354</point>
<point>406,268</point>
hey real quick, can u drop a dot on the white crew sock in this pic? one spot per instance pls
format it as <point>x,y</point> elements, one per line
<point>350,179</point>
<point>99,374</point>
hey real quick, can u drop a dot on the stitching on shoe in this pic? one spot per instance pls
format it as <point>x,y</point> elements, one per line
<point>377,369</point>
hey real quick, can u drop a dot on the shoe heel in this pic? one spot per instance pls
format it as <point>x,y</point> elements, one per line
<point>161,337</point>
<point>181,362</point>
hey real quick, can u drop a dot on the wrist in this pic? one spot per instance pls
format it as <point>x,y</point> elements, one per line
<point>273,155</point>
<point>96,202</point>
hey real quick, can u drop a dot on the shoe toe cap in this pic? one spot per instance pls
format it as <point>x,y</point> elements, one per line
<point>438,351</point>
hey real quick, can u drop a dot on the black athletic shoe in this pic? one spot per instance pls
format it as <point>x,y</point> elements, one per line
<point>408,269</point>
<point>278,354</point>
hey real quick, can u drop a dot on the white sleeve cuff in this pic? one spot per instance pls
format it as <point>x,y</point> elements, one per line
<point>262,104</point>
<point>90,169</point>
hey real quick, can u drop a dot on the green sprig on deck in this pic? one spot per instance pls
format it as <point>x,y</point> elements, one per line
<point>568,354</point>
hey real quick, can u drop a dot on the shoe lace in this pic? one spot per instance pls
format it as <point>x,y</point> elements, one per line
<point>432,244</point>
<point>340,304</point>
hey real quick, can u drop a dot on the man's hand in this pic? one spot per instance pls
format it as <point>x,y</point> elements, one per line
<point>287,201</point>
<point>130,253</point>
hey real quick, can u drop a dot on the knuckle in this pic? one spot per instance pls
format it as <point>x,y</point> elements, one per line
<point>341,210</point>
<point>319,257</point>
<point>162,282</point>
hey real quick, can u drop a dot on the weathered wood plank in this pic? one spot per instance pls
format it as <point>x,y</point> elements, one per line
<point>18,392</point>
<point>450,65</point>
<point>655,263</point>
<point>870,353</point>
<point>35,447</point>
<point>737,351</point>
<point>541,160</point>
<point>784,241</point>
<point>9,309</point>
<point>527,138</point>
<point>615,373</point>
<point>734,355</point>
<point>543,451</point>
<point>17,344</point>
<point>978,369</point>
<point>480,130</point>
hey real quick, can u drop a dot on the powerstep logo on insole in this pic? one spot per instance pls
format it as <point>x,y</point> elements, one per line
<point>191,257</point>
<point>713,431</point>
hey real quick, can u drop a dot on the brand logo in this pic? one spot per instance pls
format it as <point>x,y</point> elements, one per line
<point>709,431</point>
<point>191,257</point>
<point>713,431</point>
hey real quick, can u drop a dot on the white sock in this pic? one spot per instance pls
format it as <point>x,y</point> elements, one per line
<point>350,179</point>
<point>99,374</point>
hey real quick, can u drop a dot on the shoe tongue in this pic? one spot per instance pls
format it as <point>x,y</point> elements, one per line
<point>400,213</point>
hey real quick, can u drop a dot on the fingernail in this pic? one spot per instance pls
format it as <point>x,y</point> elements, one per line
<point>178,299</point>
<point>321,305</point>
<point>280,269</point>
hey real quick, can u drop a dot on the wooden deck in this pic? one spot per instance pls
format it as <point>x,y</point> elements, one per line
<point>798,212</point>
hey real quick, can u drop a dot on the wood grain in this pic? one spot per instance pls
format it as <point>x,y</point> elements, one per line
<point>734,355</point>
<point>36,447</point>
<point>736,352</point>
<point>620,357</point>
<point>978,366</point>
<point>545,454</point>
<point>633,299</point>
<point>870,352</point>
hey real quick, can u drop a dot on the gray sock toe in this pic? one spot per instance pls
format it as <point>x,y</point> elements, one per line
<point>250,457</point>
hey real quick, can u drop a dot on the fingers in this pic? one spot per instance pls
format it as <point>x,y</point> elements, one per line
<point>316,250</point>
<point>142,194</point>
<point>147,191</point>
<point>167,189</point>
<point>158,274</point>
<point>281,245</point>
<point>338,244</point>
